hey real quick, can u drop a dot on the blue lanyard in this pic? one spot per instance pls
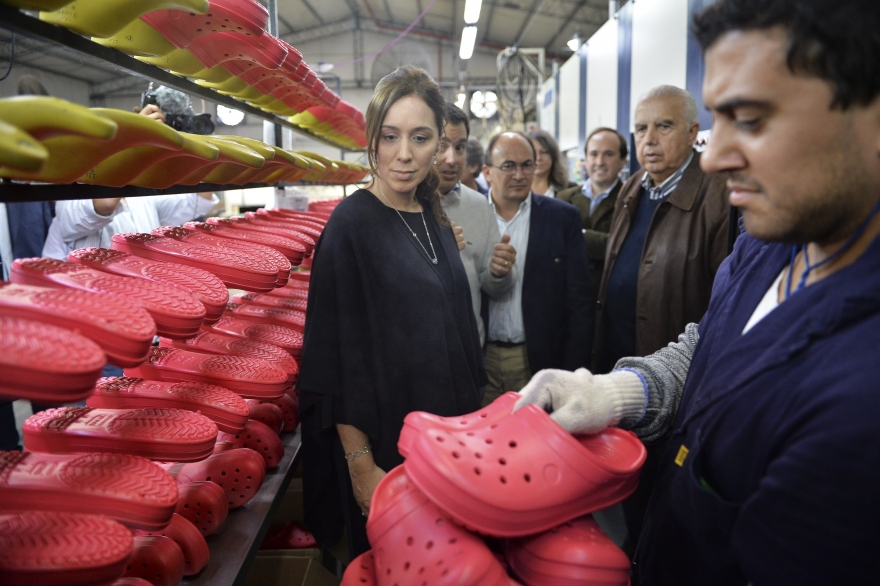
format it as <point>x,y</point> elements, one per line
<point>846,246</point>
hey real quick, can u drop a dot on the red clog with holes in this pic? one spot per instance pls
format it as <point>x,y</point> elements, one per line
<point>202,285</point>
<point>157,559</point>
<point>204,504</point>
<point>268,414</point>
<point>46,363</point>
<point>224,344</point>
<point>289,340</point>
<point>177,313</point>
<point>251,378</point>
<point>291,249</point>
<point>288,405</point>
<point>272,301</point>
<point>129,489</point>
<point>289,318</point>
<point>122,330</point>
<point>245,225</point>
<point>239,472</point>
<point>158,434</point>
<point>263,253</point>
<point>61,549</point>
<point>291,536</point>
<point>523,474</point>
<point>576,553</point>
<point>260,438</point>
<point>416,421</point>
<point>361,571</point>
<point>190,541</point>
<point>233,268</point>
<point>226,409</point>
<point>245,17</point>
<point>415,543</point>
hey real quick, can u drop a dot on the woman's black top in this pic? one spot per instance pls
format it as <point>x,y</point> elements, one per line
<point>387,332</point>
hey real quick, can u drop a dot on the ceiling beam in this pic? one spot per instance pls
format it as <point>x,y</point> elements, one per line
<point>488,23</point>
<point>388,12</point>
<point>568,19</point>
<point>314,12</point>
<point>305,35</point>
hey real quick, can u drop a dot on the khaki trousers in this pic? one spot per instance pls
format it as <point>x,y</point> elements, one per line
<point>507,369</point>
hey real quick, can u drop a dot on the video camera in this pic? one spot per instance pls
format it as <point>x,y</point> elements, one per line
<point>177,109</point>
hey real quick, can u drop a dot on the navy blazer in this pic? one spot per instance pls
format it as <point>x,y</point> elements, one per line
<point>558,302</point>
<point>28,227</point>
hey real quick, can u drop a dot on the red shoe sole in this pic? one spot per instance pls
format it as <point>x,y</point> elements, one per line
<point>204,504</point>
<point>177,313</point>
<point>123,331</point>
<point>129,489</point>
<point>285,338</point>
<point>156,559</point>
<point>226,409</point>
<point>295,320</point>
<point>201,284</point>
<point>239,472</point>
<point>243,225</point>
<point>259,438</point>
<point>268,414</point>
<point>190,541</point>
<point>46,363</point>
<point>291,249</point>
<point>157,434</point>
<point>61,549</point>
<point>251,378</point>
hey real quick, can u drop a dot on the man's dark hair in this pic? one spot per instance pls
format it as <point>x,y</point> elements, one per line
<point>455,115</point>
<point>835,40</point>
<point>624,149</point>
<point>474,154</point>
<point>487,159</point>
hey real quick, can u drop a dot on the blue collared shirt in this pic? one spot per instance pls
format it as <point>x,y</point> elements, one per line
<point>587,190</point>
<point>663,190</point>
<point>505,314</point>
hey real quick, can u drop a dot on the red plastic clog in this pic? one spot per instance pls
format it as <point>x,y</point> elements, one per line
<point>123,331</point>
<point>523,474</point>
<point>268,414</point>
<point>289,318</point>
<point>289,340</point>
<point>416,421</point>
<point>201,284</point>
<point>46,363</point>
<point>177,313</point>
<point>224,344</point>
<point>288,404</point>
<point>233,268</point>
<point>157,559</point>
<point>190,541</point>
<point>291,249</point>
<point>239,472</point>
<point>158,434</point>
<point>260,438</point>
<point>245,17</point>
<point>251,378</point>
<point>291,536</point>
<point>576,553</point>
<point>204,504</point>
<point>61,549</point>
<point>414,543</point>
<point>129,489</point>
<point>226,409</point>
<point>361,571</point>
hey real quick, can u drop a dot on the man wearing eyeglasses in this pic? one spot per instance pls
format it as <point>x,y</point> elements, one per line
<point>546,320</point>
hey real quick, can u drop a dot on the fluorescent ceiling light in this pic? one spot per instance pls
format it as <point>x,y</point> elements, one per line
<point>229,116</point>
<point>575,42</point>
<point>468,38</point>
<point>460,99</point>
<point>472,11</point>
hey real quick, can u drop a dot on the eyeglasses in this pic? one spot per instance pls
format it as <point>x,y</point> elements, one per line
<point>509,167</point>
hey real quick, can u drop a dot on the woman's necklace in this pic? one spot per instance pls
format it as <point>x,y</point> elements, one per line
<point>433,252</point>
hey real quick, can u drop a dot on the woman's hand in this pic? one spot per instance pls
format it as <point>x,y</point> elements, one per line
<point>459,236</point>
<point>363,482</point>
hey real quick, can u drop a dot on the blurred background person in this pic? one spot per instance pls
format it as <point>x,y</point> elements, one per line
<point>472,173</point>
<point>551,174</point>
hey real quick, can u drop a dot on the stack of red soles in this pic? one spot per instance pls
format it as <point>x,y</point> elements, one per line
<point>245,225</point>
<point>289,318</point>
<point>291,292</point>
<point>239,472</point>
<point>289,340</point>
<point>291,249</point>
<point>177,313</point>
<point>201,284</point>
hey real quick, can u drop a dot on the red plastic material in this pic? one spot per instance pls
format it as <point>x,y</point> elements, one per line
<point>122,330</point>
<point>260,438</point>
<point>129,582</point>
<point>232,267</point>
<point>224,344</point>
<point>61,549</point>
<point>305,276</point>
<point>158,434</point>
<point>261,252</point>
<point>523,474</point>
<point>202,285</point>
<point>226,409</point>
<point>190,541</point>
<point>576,553</point>
<point>245,17</point>
<point>291,293</point>
<point>291,536</point>
<point>289,318</point>
<point>129,489</point>
<point>221,447</point>
<point>361,571</point>
<point>251,378</point>
<point>238,53</point>
<point>268,414</point>
<point>291,249</point>
<point>246,225</point>
<point>269,300</point>
<point>239,472</point>
<point>304,227</point>
<point>285,213</point>
<point>289,340</point>
<point>46,363</point>
<point>157,559</point>
<point>416,421</point>
<point>288,405</point>
<point>204,504</point>
<point>177,313</point>
<point>287,219</point>
<point>414,542</point>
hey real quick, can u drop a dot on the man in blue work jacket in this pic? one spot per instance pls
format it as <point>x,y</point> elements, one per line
<point>769,408</point>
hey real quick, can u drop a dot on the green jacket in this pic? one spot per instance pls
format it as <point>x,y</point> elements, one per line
<point>596,227</point>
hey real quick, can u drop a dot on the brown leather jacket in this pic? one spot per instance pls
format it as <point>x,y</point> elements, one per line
<point>683,249</point>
